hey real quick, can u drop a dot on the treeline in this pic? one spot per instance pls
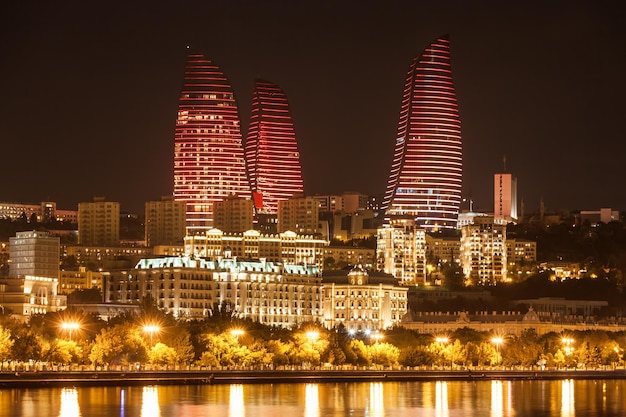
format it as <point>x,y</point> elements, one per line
<point>223,341</point>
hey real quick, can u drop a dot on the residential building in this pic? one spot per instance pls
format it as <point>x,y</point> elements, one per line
<point>483,251</point>
<point>233,214</point>
<point>401,251</point>
<point>299,215</point>
<point>165,222</point>
<point>79,279</point>
<point>99,223</point>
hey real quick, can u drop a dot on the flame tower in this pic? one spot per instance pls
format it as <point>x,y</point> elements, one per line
<point>209,162</point>
<point>426,174</point>
<point>272,156</point>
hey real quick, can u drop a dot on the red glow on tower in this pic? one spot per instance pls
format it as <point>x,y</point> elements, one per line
<point>272,156</point>
<point>209,160</point>
<point>426,174</point>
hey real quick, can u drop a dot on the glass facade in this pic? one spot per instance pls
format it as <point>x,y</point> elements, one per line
<point>426,174</point>
<point>272,155</point>
<point>209,160</point>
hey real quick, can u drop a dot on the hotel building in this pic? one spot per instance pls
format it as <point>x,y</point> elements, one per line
<point>271,293</point>
<point>426,173</point>
<point>272,157</point>
<point>209,162</point>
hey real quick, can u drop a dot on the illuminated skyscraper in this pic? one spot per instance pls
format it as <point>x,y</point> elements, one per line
<point>505,198</point>
<point>272,156</point>
<point>426,175</point>
<point>209,162</point>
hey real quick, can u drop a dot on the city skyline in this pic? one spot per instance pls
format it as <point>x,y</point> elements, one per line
<point>90,96</point>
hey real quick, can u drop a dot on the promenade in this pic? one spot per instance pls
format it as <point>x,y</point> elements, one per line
<point>116,378</point>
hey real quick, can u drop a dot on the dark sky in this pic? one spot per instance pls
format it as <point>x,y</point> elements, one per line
<point>89,90</point>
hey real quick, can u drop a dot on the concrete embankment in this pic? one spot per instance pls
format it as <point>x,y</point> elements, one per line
<point>65,379</point>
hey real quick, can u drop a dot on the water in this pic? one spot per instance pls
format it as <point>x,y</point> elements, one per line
<point>567,398</point>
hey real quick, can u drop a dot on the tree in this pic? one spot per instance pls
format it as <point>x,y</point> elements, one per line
<point>384,354</point>
<point>6,343</point>
<point>161,354</point>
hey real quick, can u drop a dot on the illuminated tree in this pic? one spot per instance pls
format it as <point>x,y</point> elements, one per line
<point>6,343</point>
<point>416,356</point>
<point>384,354</point>
<point>61,351</point>
<point>161,354</point>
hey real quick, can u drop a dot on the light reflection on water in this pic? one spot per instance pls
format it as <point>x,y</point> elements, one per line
<point>560,398</point>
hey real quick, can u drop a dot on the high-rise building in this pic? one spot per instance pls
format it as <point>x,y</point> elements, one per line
<point>484,251</point>
<point>298,214</point>
<point>209,162</point>
<point>99,223</point>
<point>272,156</point>
<point>401,251</point>
<point>34,254</point>
<point>505,198</point>
<point>426,174</point>
<point>165,221</point>
<point>32,285</point>
<point>233,214</point>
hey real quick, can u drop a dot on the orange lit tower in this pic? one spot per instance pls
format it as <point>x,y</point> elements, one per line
<point>272,156</point>
<point>426,174</point>
<point>209,162</point>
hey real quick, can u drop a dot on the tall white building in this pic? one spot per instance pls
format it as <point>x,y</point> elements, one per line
<point>483,251</point>
<point>401,251</point>
<point>505,198</point>
<point>33,281</point>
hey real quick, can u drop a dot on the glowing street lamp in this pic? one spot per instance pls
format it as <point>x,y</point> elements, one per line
<point>237,333</point>
<point>312,335</point>
<point>497,341</point>
<point>568,342</point>
<point>70,326</point>
<point>151,329</point>
<point>377,336</point>
<point>442,340</point>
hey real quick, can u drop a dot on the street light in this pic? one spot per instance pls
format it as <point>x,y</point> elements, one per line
<point>443,340</point>
<point>237,333</point>
<point>568,342</point>
<point>151,329</point>
<point>377,336</point>
<point>497,340</point>
<point>70,326</point>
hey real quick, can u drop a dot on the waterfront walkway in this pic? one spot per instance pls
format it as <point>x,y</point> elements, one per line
<point>113,378</point>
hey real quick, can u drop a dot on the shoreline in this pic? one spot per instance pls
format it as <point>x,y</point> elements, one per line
<point>142,378</point>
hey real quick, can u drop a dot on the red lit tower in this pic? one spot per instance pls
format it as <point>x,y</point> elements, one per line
<point>426,174</point>
<point>209,162</point>
<point>272,156</point>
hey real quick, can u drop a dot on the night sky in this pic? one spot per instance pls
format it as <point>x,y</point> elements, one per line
<point>89,90</point>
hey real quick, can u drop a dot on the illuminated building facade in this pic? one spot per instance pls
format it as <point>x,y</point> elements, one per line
<point>299,215</point>
<point>363,301</point>
<point>484,251</point>
<point>165,221</point>
<point>271,293</point>
<point>233,214</point>
<point>209,162</point>
<point>287,247</point>
<point>33,281</point>
<point>272,156</point>
<point>46,211</point>
<point>99,223</point>
<point>505,198</point>
<point>426,173</point>
<point>401,251</point>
